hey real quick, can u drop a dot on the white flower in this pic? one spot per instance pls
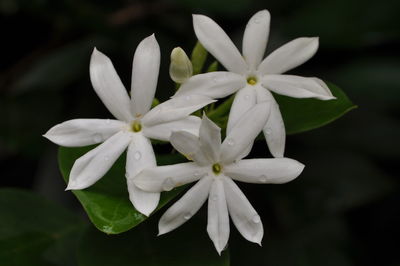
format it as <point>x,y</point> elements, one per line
<point>215,165</point>
<point>252,77</point>
<point>134,126</point>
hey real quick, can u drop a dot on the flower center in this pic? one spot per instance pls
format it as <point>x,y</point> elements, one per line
<point>217,168</point>
<point>252,80</point>
<point>136,126</point>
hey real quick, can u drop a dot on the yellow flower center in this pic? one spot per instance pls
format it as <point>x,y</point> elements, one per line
<point>216,168</point>
<point>252,80</point>
<point>136,126</point>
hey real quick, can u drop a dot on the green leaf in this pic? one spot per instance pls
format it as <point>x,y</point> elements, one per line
<point>213,67</point>
<point>32,227</point>
<point>107,202</point>
<point>188,245</point>
<point>305,114</point>
<point>198,58</point>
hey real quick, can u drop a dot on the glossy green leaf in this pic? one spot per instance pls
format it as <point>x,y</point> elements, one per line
<point>34,231</point>
<point>305,114</point>
<point>186,246</point>
<point>198,58</point>
<point>107,202</point>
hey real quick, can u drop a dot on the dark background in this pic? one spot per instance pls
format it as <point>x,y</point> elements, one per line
<point>344,208</point>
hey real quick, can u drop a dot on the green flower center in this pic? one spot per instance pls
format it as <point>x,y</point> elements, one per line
<point>216,168</point>
<point>136,126</point>
<point>252,80</point>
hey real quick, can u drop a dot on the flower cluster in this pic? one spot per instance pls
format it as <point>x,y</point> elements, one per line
<point>215,163</point>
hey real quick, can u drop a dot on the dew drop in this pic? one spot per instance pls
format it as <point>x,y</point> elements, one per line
<point>97,138</point>
<point>256,219</point>
<point>106,158</point>
<point>247,97</point>
<point>230,142</point>
<point>187,216</point>
<point>168,184</point>
<point>197,174</point>
<point>137,155</point>
<point>257,20</point>
<point>108,121</point>
<point>268,131</point>
<point>214,198</point>
<point>215,79</point>
<point>263,178</point>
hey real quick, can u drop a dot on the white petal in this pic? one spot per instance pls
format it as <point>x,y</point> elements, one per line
<point>109,87</point>
<point>175,109</point>
<point>165,178</point>
<point>289,56</point>
<point>255,38</point>
<point>94,165</point>
<point>215,40</point>
<point>146,64</point>
<point>210,139</point>
<point>185,207</point>
<point>243,215</point>
<point>274,130</point>
<point>245,99</point>
<point>264,171</point>
<point>244,132</point>
<point>163,131</point>
<point>297,87</point>
<point>218,218</point>
<point>189,145</point>
<point>215,85</point>
<point>140,155</point>
<point>83,132</point>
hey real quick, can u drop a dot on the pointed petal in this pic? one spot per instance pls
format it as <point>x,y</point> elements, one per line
<point>215,40</point>
<point>264,171</point>
<point>92,166</point>
<point>244,132</point>
<point>245,99</point>
<point>189,145</point>
<point>210,139</point>
<point>243,215</point>
<point>165,178</point>
<point>185,207</point>
<point>109,87</point>
<point>255,38</point>
<point>214,85</point>
<point>175,109</point>
<point>146,64</point>
<point>218,218</point>
<point>289,56</point>
<point>83,132</point>
<point>163,131</point>
<point>140,155</point>
<point>297,87</point>
<point>274,130</point>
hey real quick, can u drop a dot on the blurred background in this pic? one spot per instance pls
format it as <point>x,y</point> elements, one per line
<point>343,210</point>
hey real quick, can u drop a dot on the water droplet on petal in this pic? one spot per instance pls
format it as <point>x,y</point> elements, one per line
<point>247,97</point>
<point>257,20</point>
<point>187,216</point>
<point>230,142</point>
<point>214,198</point>
<point>268,131</point>
<point>197,174</point>
<point>263,178</point>
<point>256,219</point>
<point>97,138</point>
<point>106,158</point>
<point>137,155</point>
<point>108,121</point>
<point>168,184</point>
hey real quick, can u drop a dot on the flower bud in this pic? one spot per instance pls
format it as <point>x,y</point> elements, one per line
<point>180,68</point>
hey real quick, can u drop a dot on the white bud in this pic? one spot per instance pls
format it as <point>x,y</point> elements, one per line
<point>180,68</point>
